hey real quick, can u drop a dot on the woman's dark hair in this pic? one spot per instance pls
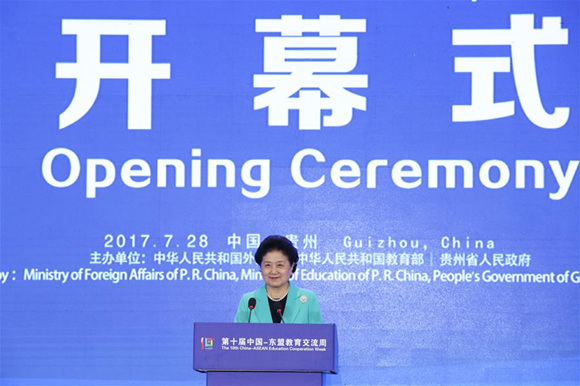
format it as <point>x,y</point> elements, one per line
<point>277,243</point>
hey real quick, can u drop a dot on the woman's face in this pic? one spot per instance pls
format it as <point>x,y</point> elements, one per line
<point>276,269</point>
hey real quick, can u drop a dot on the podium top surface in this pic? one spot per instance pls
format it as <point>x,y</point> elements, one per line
<point>265,347</point>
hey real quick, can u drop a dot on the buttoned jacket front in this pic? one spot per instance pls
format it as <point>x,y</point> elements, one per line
<point>301,307</point>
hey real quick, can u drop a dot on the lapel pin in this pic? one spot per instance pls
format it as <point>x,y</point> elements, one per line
<point>303,298</point>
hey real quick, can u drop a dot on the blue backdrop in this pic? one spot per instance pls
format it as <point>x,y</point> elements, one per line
<point>442,240</point>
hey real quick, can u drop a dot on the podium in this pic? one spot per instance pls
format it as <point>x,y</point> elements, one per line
<point>265,353</point>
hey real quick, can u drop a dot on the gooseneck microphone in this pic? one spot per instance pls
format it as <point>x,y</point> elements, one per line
<point>251,306</point>
<point>279,310</point>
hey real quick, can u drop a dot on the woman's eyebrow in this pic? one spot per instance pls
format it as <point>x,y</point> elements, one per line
<point>273,262</point>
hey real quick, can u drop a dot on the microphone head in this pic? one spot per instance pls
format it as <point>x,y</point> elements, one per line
<point>252,303</point>
<point>279,310</point>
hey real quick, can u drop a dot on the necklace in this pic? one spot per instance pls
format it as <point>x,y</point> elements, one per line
<point>278,299</point>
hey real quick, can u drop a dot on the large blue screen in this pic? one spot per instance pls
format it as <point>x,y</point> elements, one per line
<point>422,155</point>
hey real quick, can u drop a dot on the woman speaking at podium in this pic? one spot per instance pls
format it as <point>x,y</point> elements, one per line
<point>278,301</point>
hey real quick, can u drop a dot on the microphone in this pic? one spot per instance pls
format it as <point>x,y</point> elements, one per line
<point>279,311</point>
<point>251,306</point>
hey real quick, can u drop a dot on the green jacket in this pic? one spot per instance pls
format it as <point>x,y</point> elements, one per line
<point>301,307</point>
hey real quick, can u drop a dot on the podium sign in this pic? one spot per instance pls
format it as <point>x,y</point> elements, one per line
<point>262,351</point>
